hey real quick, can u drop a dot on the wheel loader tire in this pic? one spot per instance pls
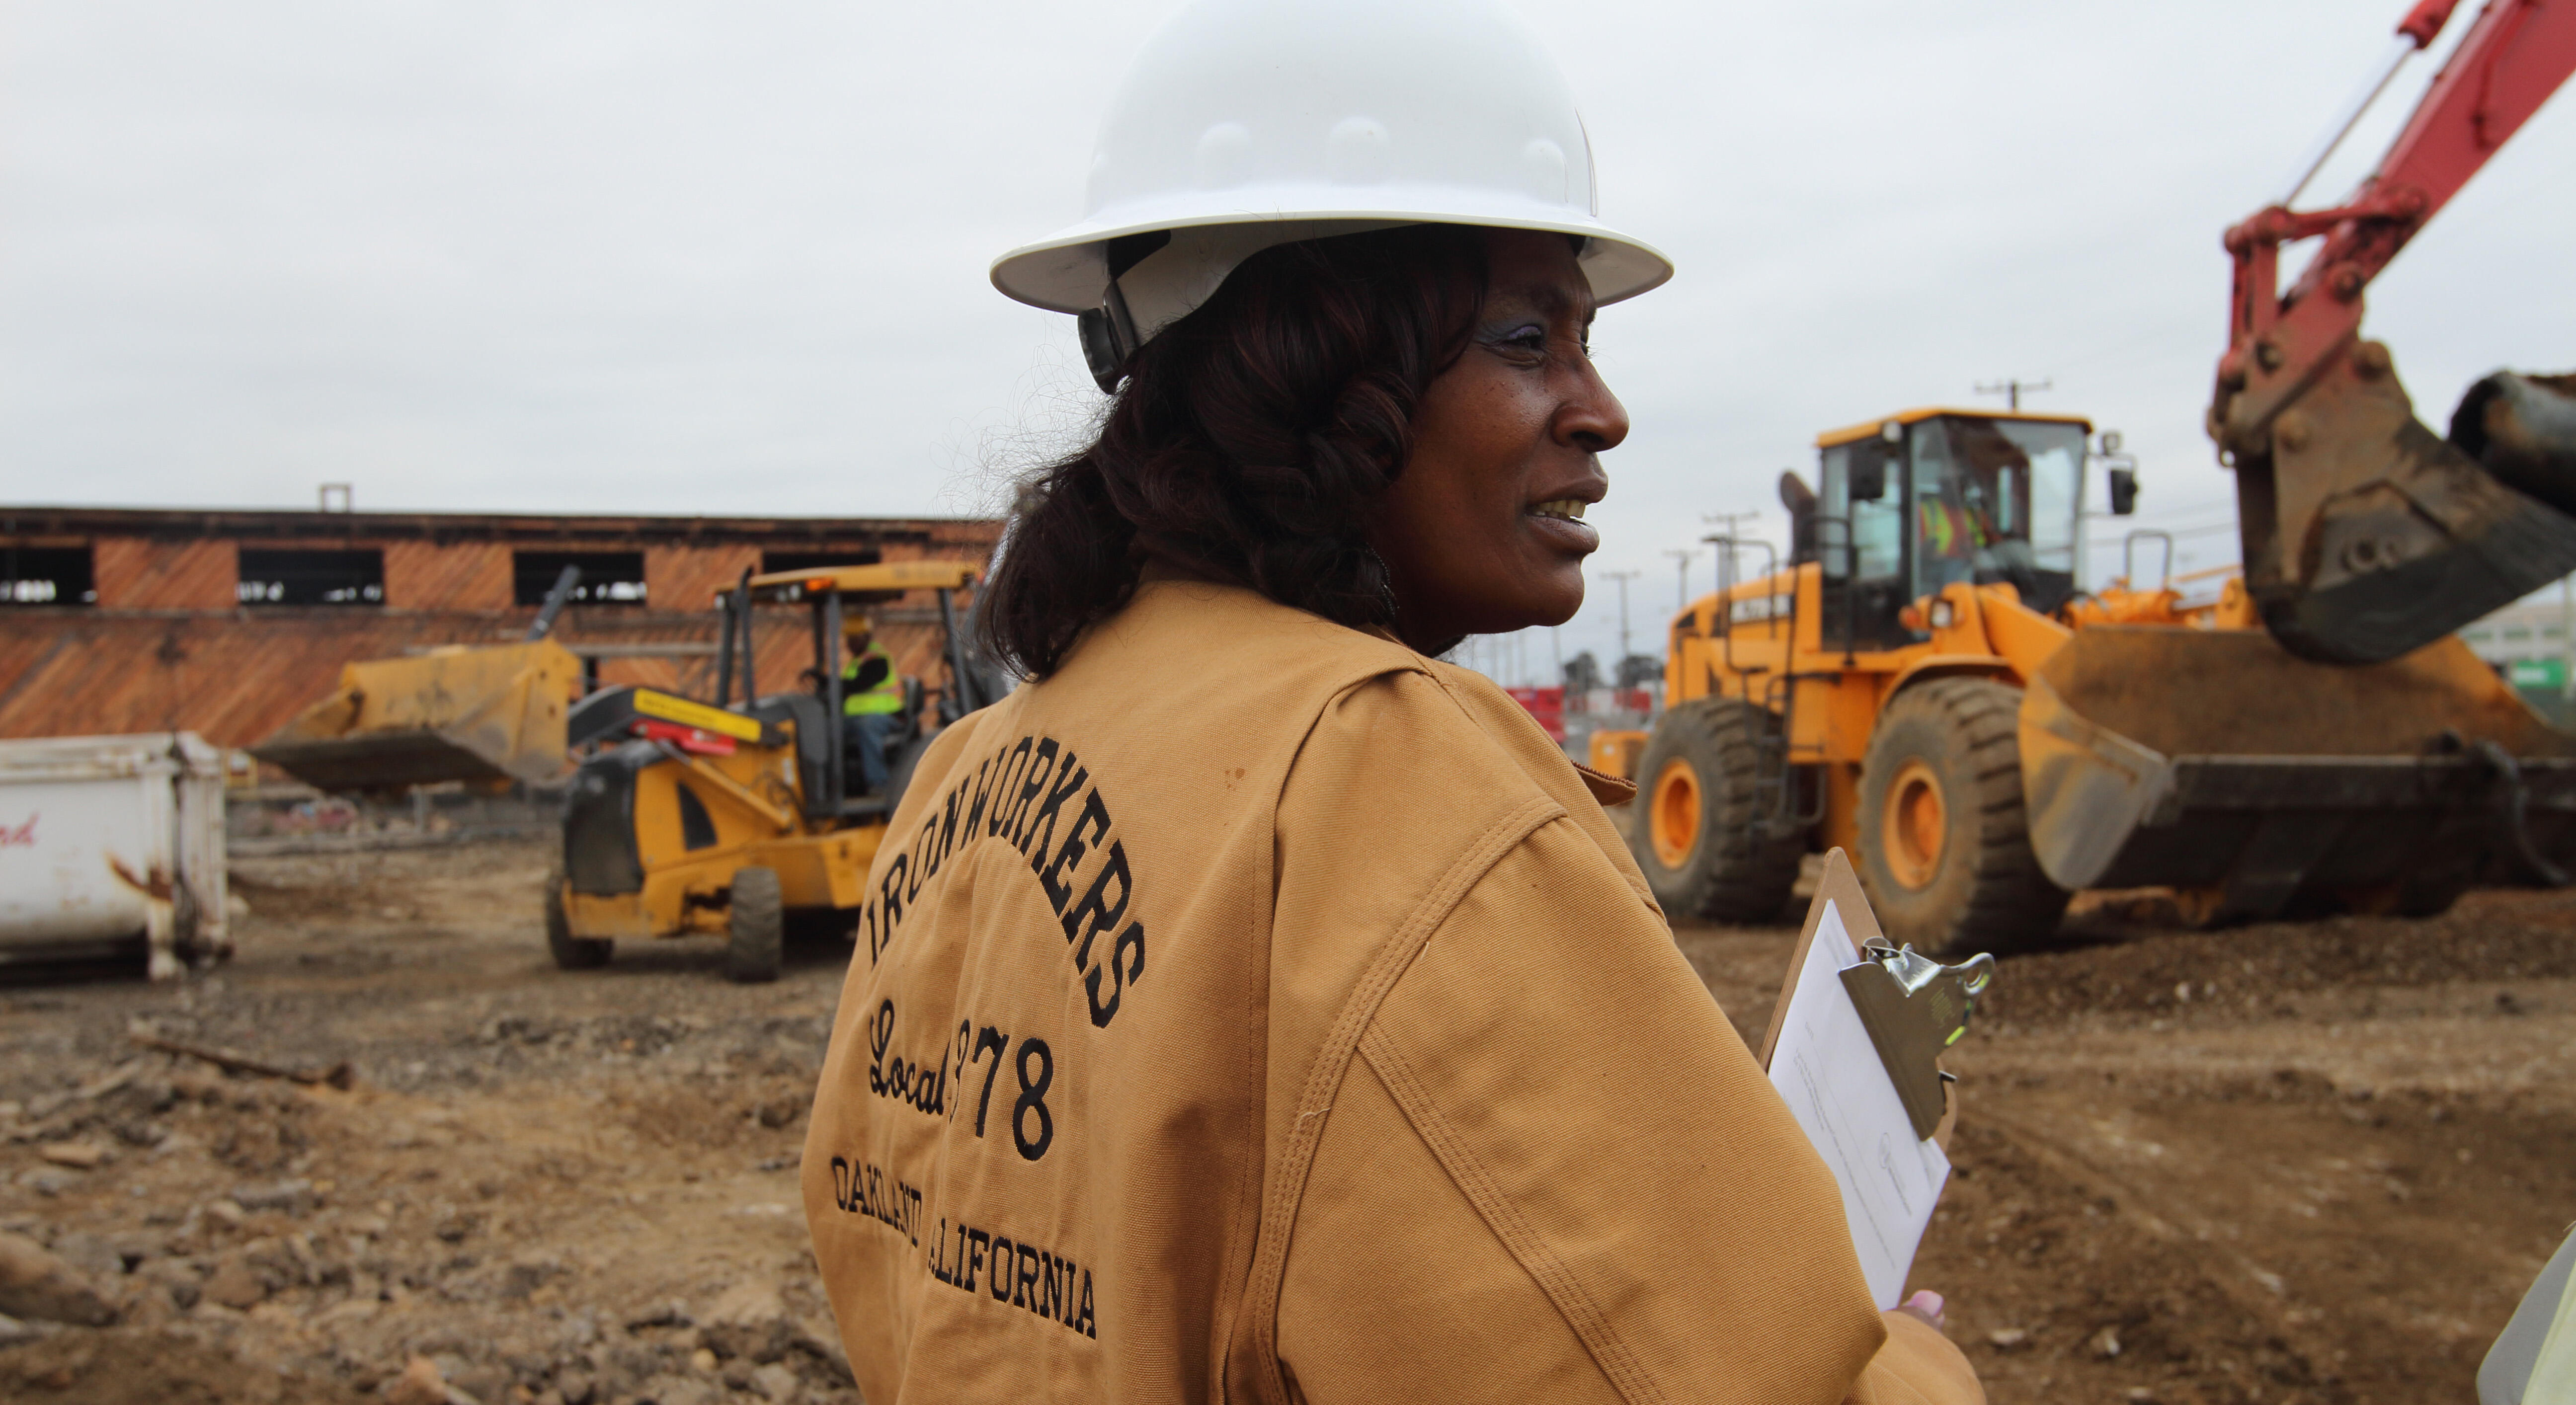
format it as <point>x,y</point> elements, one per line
<point>1944,842</point>
<point>571,953</point>
<point>756,927</point>
<point>1697,801</point>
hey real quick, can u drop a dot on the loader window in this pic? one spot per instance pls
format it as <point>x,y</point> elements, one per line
<point>1862,491</point>
<point>310,577</point>
<point>1997,500</point>
<point>1861,540</point>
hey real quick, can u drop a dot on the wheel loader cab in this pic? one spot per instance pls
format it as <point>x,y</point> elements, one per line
<point>725,818</point>
<point>1930,498</point>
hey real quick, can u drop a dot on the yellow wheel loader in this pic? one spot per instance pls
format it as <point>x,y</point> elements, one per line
<point>733,817</point>
<point>1923,684</point>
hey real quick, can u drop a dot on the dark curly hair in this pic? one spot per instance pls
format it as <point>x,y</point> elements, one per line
<point>1248,442</point>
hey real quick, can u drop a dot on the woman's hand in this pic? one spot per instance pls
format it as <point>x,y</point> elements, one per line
<point>1927,1305</point>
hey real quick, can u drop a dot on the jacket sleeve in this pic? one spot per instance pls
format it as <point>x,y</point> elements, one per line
<point>1553,1171</point>
<point>1917,1366</point>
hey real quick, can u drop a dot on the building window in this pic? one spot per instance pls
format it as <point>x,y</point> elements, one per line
<point>607,577</point>
<point>773,562</point>
<point>271,577</point>
<point>2515,635</point>
<point>46,575</point>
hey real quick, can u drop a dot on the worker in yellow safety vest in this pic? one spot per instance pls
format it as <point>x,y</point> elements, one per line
<point>871,702</point>
<point>1947,531</point>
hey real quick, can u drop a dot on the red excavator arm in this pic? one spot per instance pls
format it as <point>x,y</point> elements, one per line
<point>2365,534</point>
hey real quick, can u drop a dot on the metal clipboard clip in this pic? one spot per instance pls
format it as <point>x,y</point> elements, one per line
<point>1914,1008</point>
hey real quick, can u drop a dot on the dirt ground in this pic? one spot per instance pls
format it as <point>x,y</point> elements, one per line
<point>2274,1164</point>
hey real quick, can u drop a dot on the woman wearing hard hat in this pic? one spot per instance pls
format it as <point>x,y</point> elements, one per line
<point>1253,1007</point>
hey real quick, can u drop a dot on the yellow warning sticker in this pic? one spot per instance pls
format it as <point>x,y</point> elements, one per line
<point>698,715</point>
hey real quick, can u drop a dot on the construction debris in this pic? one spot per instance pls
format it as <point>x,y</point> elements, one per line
<point>554,1187</point>
<point>339,1075</point>
<point>38,1286</point>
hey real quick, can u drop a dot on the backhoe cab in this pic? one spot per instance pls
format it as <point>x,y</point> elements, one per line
<point>728,817</point>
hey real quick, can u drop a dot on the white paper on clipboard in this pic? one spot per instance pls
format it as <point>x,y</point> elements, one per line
<point>1829,1073</point>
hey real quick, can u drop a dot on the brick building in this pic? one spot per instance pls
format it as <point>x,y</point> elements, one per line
<point>228,623</point>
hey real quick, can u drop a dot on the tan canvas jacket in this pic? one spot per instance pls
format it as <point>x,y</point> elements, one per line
<point>1259,1011</point>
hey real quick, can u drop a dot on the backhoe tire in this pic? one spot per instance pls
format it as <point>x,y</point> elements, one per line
<point>756,927</point>
<point>1694,831</point>
<point>1944,842</point>
<point>571,953</point>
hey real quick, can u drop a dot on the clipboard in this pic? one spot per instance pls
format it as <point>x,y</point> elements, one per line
<point>1841,1093</point>
<point>1842,885</point>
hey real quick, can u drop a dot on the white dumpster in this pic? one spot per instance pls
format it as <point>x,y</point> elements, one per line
<point>111,842</point>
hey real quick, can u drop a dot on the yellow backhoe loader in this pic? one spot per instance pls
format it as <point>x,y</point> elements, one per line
<point>1924,685</point>
<point>730,818</point>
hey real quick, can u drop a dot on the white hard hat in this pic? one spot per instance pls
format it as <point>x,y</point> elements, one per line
<point>1249,123</point>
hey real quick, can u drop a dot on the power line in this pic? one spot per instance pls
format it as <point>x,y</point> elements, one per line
<point>1728,538</point>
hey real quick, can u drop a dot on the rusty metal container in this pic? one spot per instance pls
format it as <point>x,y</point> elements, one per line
<point>487,714</point>
<point>107,843</point>
<point>2260,784</point>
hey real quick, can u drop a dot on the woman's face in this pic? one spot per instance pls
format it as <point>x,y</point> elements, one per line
<point>1480,528</point>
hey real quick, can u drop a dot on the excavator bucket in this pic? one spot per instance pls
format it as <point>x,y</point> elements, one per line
<point>491,714</point>
<point>2366,535</point>
<point>2261,784</point>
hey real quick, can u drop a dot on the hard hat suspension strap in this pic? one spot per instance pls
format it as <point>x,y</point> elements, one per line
<point>1109,331</point>
<point>1108,339</point>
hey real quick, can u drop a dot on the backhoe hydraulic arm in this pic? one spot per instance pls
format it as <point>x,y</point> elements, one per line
<point>2366,534</point>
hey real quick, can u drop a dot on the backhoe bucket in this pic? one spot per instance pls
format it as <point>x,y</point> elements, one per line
<point>457,714</point>
<point>2217,763</point>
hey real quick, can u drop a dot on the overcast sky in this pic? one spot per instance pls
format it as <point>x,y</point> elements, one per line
<point>672,256</point>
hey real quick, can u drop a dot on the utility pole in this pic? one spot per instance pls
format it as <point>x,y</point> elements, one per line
<point>1623,577</point>
<point>1682,557</point>
<point>2011,390</point>
<point>1725,540</point>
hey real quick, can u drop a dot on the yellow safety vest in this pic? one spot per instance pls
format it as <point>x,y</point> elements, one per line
<point>885,697</point>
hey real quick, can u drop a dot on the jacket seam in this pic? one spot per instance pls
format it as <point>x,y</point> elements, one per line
<point>1244,1245</point>
<point>1333,1057</point>
<point>1245,1211</point>
<point>1554,1277</point>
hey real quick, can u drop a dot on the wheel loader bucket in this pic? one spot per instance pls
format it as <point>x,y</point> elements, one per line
<point>2218,763</point>
<point>459,714</point>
